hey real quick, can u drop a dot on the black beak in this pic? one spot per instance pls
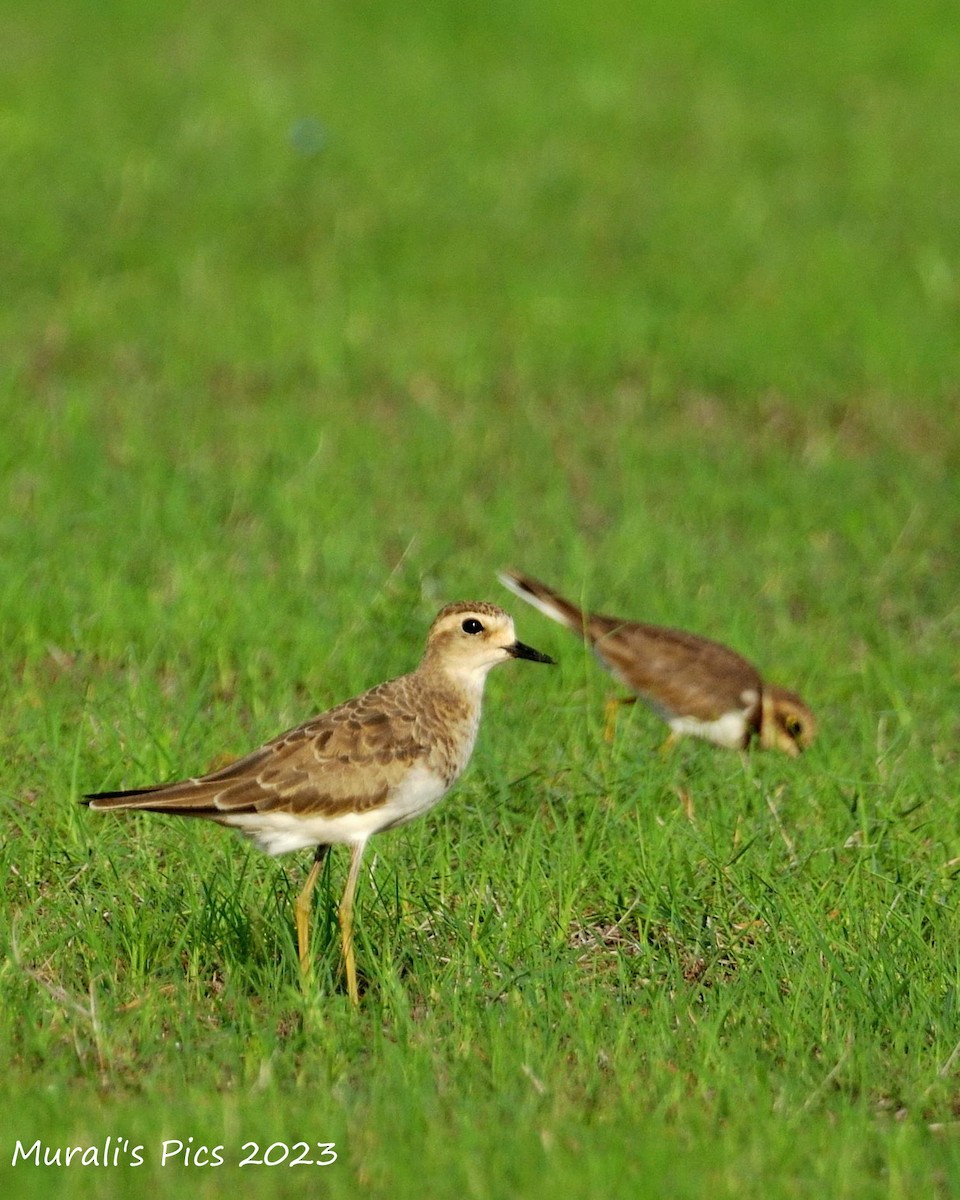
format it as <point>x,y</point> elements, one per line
<point>520,650</point>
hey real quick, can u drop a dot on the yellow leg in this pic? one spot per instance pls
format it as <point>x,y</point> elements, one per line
<point>346,921</point>
<point>671,740</point>
<point>610,711</point>
<point>302,909</point>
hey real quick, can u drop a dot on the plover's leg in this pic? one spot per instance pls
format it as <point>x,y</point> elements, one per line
<point>303,906</point>
<point>611,709</point>
<point>346,920</point>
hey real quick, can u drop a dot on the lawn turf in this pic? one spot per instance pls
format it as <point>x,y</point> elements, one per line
<point>313,321</point>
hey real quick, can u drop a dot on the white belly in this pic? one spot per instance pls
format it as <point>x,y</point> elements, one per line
<point>729,731</point>
<point>283,832</point>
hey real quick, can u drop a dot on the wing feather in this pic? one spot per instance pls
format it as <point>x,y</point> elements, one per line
<point>346,759</point>
<point>685,673</point>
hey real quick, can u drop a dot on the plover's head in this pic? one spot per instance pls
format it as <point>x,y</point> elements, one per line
<point>470,637</point>
<point>786,723</point>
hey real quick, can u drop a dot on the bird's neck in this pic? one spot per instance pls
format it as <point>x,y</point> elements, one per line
<point>454,699</point>
<point>460,684</point>
<point>768,721</point>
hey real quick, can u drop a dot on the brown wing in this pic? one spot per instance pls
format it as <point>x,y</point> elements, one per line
<point>344,759</point>
<point>675,671</point>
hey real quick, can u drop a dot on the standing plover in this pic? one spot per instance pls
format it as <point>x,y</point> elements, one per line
<point>697,686</point>
<point>371,763</point>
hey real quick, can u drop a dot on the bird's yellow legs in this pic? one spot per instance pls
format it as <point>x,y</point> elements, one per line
<point>610,723</point>
<point>303,907</point>
<point>302,910</point>
<point>611,709</point>
<point>346,920</point>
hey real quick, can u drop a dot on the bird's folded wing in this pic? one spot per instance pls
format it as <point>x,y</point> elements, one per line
<point>683,673</point>
<point>347,759</point>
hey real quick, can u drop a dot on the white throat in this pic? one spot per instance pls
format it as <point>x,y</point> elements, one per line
<point>470,679</point>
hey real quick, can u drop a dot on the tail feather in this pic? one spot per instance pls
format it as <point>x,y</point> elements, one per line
<point>549,602</point>
<point>164,797</point>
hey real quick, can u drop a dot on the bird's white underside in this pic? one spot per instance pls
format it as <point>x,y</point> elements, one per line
<point>729,731</point>
<point>283,832</point>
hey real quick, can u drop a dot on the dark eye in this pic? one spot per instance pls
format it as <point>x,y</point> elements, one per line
<point>472,625</point>
<point>794,726</point>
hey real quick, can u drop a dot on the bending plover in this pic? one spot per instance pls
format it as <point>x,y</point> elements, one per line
<point>697,686</point>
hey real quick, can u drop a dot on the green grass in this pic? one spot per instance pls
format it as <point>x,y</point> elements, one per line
<point>315,320</point>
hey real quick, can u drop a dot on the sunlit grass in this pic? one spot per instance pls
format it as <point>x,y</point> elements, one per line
<point>314,321</point>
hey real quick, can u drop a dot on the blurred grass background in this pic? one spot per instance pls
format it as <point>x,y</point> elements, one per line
<point>315,318</point>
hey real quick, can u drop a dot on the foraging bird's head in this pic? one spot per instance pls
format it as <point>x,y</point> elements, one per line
<point>786,723</point>
<point>470,637</point>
